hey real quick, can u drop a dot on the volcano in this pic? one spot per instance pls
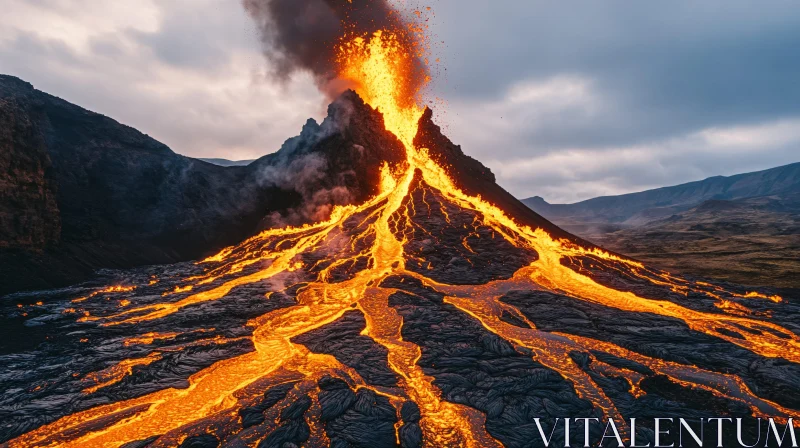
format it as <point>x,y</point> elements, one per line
<point>432,310</point>
<point>399,297</point>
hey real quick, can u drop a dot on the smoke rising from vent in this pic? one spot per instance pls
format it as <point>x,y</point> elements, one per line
<point>301,35</point>
<point>296,167</point>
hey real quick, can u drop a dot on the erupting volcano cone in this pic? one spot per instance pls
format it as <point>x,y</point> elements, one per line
<point>432,310</point>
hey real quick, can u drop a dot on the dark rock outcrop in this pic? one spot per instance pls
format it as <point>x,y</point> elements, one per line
<point>343,340</point>
<point>82,192</point>
<point>28,210</point>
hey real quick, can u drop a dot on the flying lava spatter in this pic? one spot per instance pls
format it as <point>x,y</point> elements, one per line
<point>380,66</point>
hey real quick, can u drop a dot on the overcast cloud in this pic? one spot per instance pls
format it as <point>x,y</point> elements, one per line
<point>566,100</point>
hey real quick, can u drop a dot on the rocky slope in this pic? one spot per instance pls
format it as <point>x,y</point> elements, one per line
<point>82,192</point>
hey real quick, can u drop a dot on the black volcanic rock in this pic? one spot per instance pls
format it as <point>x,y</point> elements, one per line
<point>83,192</point>
<point>361,419</point>
<point>334,163</point>
<point>202,441</point>
<point>446,245</point>
<point>29,214</point>
<point>477,368</point>
<point>343,340</point>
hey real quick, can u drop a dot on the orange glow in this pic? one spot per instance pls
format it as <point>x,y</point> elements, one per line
<point>733,308</point>
<point>382,69</point>
<point>178,290</point>
<point>756,295</point>
<point>149,338</point>
<point>108,290</point>
<point>116,373</point>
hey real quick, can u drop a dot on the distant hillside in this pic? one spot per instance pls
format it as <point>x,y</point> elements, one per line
<point>651,205</point>
<point>753,241</point>
<point>743,228</point>
<point>226,162</point>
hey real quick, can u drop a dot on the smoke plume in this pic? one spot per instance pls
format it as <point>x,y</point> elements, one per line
<point>301,35</point>
<point>299,167</point>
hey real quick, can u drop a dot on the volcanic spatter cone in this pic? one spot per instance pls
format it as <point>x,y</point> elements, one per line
<point>430,308</point>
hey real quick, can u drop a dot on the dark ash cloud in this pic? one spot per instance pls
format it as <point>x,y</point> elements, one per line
<point>301,35</point>
<point>662,68</point>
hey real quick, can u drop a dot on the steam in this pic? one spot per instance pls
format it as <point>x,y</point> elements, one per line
<point>299,168</point>
<point>301,35</point>
<point>306,176</point>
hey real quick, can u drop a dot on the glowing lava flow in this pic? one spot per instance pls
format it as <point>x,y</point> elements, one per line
<point>380,67</point>
<point>115,374</point>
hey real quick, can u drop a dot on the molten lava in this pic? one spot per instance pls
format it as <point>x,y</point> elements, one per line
<point>381,68</point>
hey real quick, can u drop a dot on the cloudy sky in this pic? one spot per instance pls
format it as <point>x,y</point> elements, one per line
<point>567,100</point>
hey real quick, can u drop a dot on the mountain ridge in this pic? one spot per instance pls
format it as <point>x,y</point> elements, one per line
<point>226,162</point>
<point>620,208</point>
